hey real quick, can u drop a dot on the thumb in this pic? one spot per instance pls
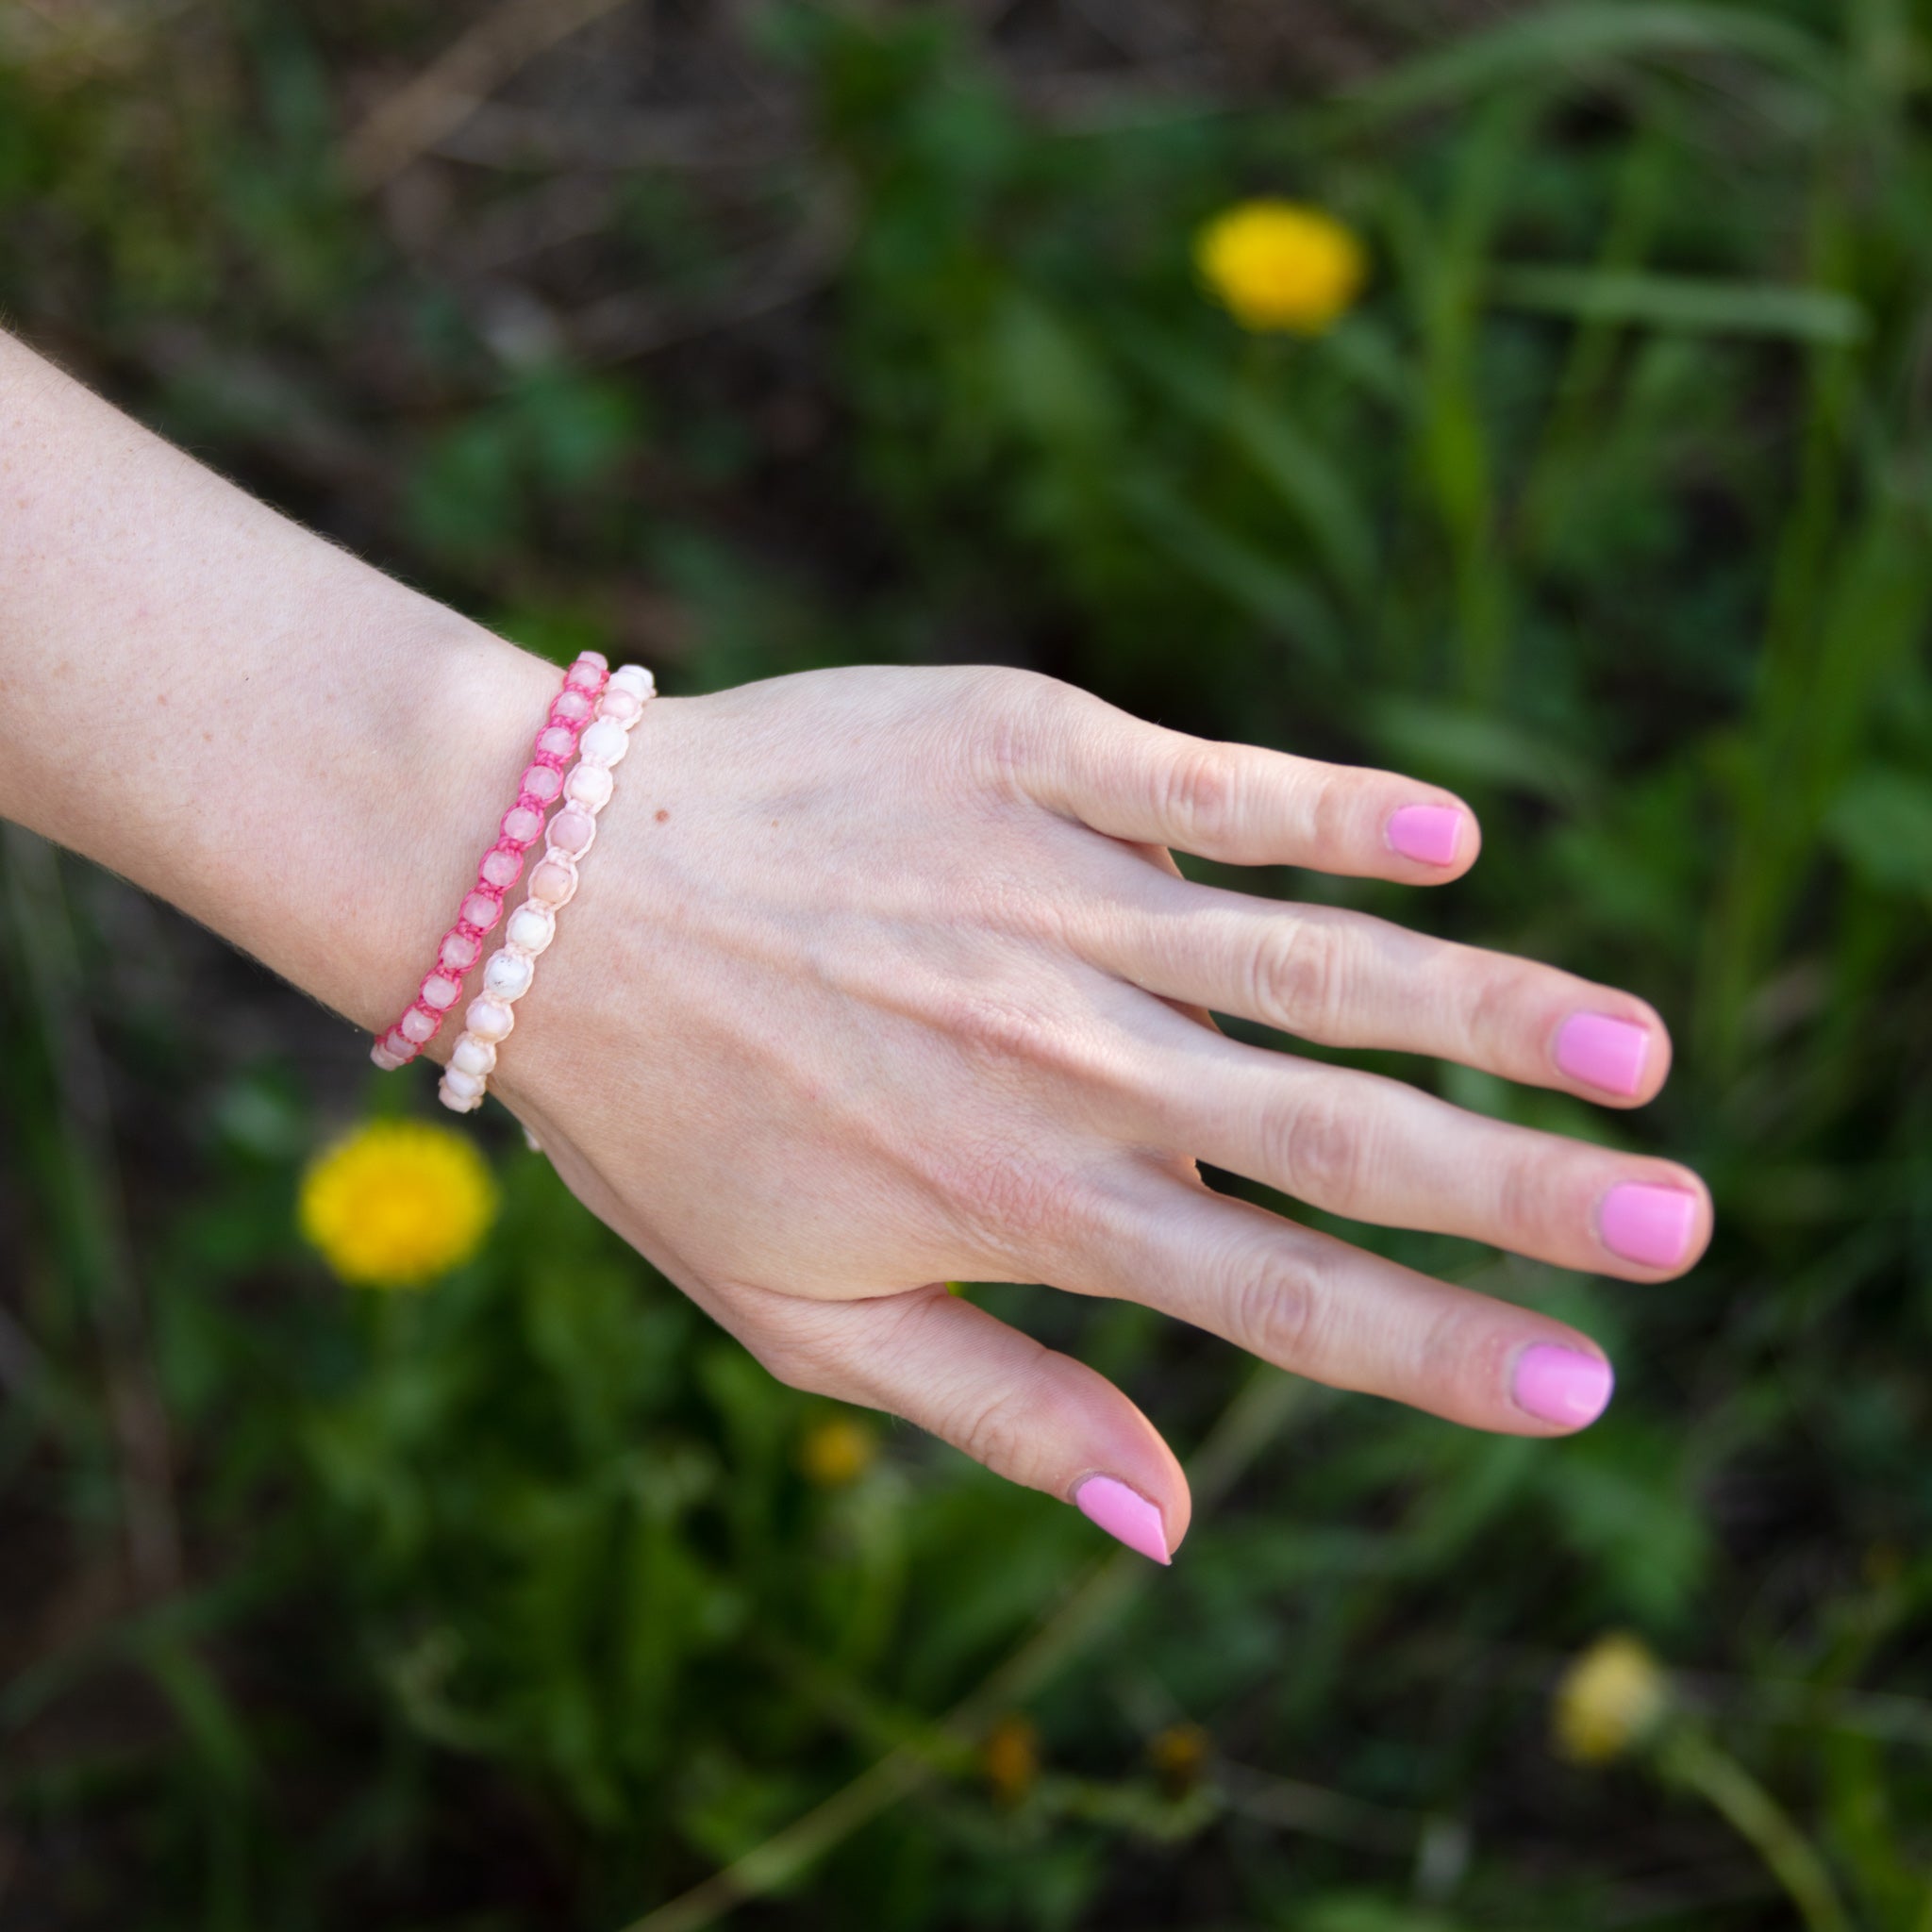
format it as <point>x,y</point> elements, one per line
<point>1029,1414</point>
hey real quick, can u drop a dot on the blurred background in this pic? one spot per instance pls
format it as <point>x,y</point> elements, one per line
<point>746,337</point>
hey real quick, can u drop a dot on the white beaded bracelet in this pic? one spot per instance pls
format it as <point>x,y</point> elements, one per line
<point>553,884</point>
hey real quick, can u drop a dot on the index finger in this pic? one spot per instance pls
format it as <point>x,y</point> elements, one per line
<point>1243,805</point>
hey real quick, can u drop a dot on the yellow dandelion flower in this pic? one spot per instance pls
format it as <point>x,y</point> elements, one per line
<point>1009,1758</point>
<point>394,1204</point>
<point>837,1452</point>
<point>1280,265</point>
<point>1179,1756</point>
<point>1610,1700</point>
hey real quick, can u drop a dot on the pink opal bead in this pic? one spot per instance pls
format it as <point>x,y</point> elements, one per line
<point>604,742</point>
<point>554,881</point>
<point>458,953</point>
<point>572,831</point>
<point>474,1056</point>
<point>489,1018</point>
<point>417,1026</point>
<point>508,975</point>
<point>482,910</point>
<point>542,782</point>
<point>591,787</point>
<point>501,867</point>
<point>532,926</point>
<point>521,824</point>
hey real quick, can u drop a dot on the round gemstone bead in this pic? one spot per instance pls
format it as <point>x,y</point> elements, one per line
<point>553,882</point>
<point>474,1056</point>
<point>439,990</point>
<point>488,1019</point>
<point>569,708</point>
<point>464,1086</point>
<point>605,742</point>
<point>417,1026</point>
<point>591,787</point>
<point>531,928</point>
<point>570,832</point>
<point>595,657</point>
<point>633,678</point>
<point>585,676</point>
<point>542,782</point>
<point>458,953</point>
<point>556,742</point>
<point>522,822</point>
<point>385,1056</point>
<point>501,868</point>
<point>623,704</point>
<point>508,975</point>
<point>399,1043</point>
<point>481,911</point>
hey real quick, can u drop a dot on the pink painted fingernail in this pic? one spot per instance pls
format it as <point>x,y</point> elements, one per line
<point>1561,1385</point>
<point>1646,1224</point>
<point>1124,1514</point>
<point>1429,833</point>
<point>1602,1051</point>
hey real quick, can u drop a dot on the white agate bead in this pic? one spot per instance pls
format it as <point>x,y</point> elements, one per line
<point>532,930</point>
<point>590,786</point>
<point>474,1056</point>
<point>508,975</point>
<point>604,742</point>
<point>489,1018</point>
<point>464,1086</point>
<point>635,679</point>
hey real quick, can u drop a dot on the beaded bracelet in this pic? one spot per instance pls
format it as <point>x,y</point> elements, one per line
<point>502,865</point>
<point>552,885</point>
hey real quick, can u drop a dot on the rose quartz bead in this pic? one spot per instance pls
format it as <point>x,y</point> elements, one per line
<point>583,675</point>
<point>464,1086</point>
<point>553,882</point>
<point>604,742</point>
<point>400,1044</point>
<point>482,910</point>
<point>474,1056</point>
<point>542,782</point>
<point>439,990</point>
<point>591,787</point>
<point>508,975</point>
<point>596,658</point>
<point>501,867</point>
<point>572,831</point>
<point>521,824</point>
<point>416,1026</point>
<point>532,926</point>
<point>556,742</point>
<point>623,705</point>
<point>488,1019</point>
<point>571,705</point>
<point>385,1057</point>
<point>458,953</point>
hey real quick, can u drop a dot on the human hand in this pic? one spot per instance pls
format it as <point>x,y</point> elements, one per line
<point>882,977</point>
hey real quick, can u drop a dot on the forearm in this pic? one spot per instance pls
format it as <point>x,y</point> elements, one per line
<point>287,745</point>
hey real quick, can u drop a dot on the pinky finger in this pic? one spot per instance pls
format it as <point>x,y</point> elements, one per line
<point>1029,1414</point>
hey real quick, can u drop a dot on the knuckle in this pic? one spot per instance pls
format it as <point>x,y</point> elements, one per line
<point>999,1432</point>
<point>1198,795</point>
<point>1299,979</point>
<point>1318,1151</point>
<point>1530,1205</point>
<point>1332,807</point>
<point>1491,1010</point>
<point>1276,1313</point>
<point>1015,1206</point>
<point>1015,727</point>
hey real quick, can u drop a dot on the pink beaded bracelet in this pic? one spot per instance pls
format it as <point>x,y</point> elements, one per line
<point>512,967</point>
<point>542,784</point>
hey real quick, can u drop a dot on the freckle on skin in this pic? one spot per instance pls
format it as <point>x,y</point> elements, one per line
<point>662,814</point>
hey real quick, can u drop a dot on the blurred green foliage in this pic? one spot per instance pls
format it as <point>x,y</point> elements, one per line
<point>515,1604</point>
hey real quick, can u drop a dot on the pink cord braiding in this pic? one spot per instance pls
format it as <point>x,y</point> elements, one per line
<point>521,827</point>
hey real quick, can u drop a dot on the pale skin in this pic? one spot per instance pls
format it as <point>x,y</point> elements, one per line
<point>877,978</point>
